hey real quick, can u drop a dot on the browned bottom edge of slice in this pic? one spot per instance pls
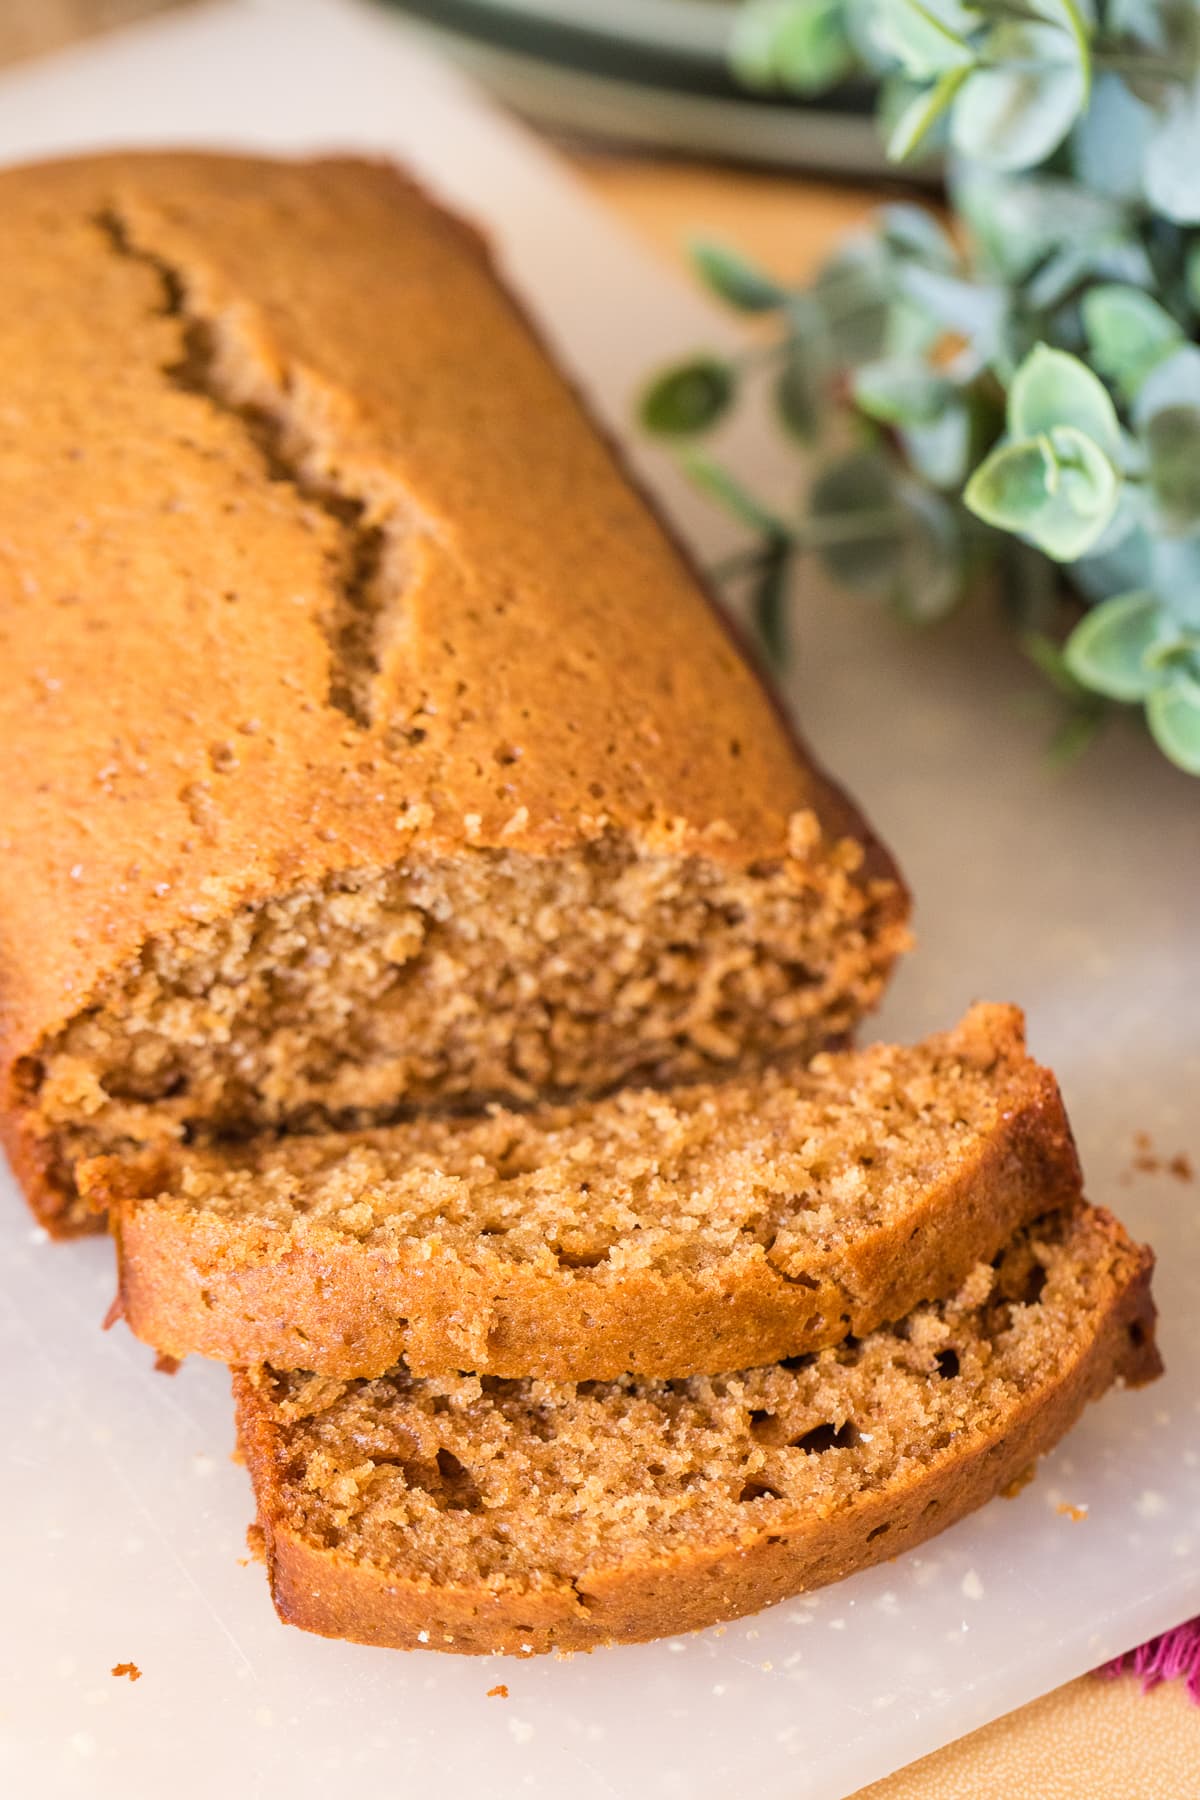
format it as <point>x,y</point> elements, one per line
<point>668,1582</point>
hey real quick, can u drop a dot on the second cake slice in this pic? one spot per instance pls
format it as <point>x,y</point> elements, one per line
<point>716,1227</point>
<point>476,1515</point>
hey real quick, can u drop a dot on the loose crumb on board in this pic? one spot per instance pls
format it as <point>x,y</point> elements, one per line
<point>166,1365</point>
<point>127,1668</point>
<point>1147,1160</point>
<point>1074,1513</point>
<point>1019,1481</point>
<point>499,1692</point>
<point>115,1312</point>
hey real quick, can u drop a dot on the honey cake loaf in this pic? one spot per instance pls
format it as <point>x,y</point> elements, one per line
<point>478,1515</point>
<point>665,1234</point>
<point>369,744</point>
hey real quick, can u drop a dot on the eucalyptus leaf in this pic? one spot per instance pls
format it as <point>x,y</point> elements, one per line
<point>1107,649</point>
<point>1065,271</point>
<point>1110,140</point>
<point>724,487</point>
<point>1173,443</point>
<point>1016,220</point>
<point>1121,259</point>
<point>801,45</point>
<point>900,392</point>
<point>922,113</point>
<point>1013,484</point>
<point>940,451</point>
<point>1057,490</point>
<point>1048,286</point>
<point>925,45</point>
<point>1075,734</point>
<point>1131,517</point>
<point>1145,21</point>
<point>1120,560</point>
<point>1014,116</point>
<point>1030,587</point>
<point>959,16</point>
<point>929,576</point>
<point>991,353</point>
<point>911,332</point>
<point>798,391</point>
<point>851,294</point>
<point>1088,483</point>
<point>915,231</point>
<point>1050,659</point>
<point>1171,166</point>
<point>689,398</point>
<point>1128,332</point>
<point>975,310</point>
<point>854,522</point>
<point>1078,21</point>
<point>734,279</point>
<point>752,42</point>
<point>1175,381</point>
<point>768,601</point>
<point>888,539</point>
<point>1173,714</point>
<point>1052,388</point>
<point>1175,566</point>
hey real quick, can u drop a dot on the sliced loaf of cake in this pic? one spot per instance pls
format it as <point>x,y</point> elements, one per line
<point>477,1514</point>
<point>368,742</point>
<point>661,1234</point>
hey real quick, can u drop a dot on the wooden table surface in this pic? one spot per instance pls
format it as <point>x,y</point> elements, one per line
<point>1091,1740</point>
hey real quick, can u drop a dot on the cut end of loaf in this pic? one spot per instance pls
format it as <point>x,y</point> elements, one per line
<point>482,1515</point>
<point>453,981</point>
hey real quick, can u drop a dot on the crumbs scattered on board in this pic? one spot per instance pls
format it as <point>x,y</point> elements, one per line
<point>127,1668</point>
<point>499,1692</point>
<point>1074,1513</point>
<point>1147,1161</point>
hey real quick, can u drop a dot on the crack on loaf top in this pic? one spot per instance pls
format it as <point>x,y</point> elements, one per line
<point>284,410</point>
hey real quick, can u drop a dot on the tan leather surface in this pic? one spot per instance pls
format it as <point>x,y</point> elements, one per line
<point>31,27</point>
<point>788,223</point>
<point>1090,1740</point>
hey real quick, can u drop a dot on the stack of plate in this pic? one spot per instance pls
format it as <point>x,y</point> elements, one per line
<point>647,72</point>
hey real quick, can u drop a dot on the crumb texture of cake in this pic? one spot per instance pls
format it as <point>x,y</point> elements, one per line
<point>664,1234</point>
<point>368,742</point>
<point>475,1514</point>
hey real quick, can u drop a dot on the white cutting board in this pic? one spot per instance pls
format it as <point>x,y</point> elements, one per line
<point>121,1514</point>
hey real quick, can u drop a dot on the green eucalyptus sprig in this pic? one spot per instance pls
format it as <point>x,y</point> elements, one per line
<point>1020,399</point>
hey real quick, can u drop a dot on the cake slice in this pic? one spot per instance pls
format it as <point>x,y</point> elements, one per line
<point>661,1234</point>
<point>369,744</point>
<point>477,1514</point>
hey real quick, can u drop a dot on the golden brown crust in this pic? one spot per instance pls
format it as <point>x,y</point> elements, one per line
<point>238,1288</point>
<point>192,717</point>
<point>321,1590</point>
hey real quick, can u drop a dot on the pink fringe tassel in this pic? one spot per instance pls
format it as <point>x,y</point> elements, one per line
<point>1175,1656</point>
